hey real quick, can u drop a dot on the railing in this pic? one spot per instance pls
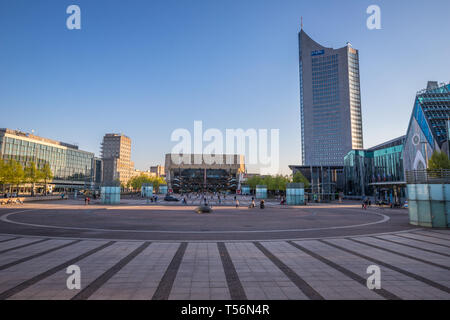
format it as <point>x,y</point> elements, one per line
<point>428,176</point>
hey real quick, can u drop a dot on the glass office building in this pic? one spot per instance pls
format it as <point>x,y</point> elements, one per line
<point>377,171</point>
<point>330,102</point>
<point>70,166</point>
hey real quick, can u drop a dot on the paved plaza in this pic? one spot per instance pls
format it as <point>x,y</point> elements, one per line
<point>167,251</point>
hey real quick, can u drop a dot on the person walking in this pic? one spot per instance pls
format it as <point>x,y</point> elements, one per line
<point>364,204</point>
<point>236,202</point>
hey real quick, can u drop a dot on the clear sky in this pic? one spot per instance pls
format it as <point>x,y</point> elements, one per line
<point>145,68</point>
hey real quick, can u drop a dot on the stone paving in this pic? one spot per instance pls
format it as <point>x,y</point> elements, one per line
<point>414,265</point>
<point>326,258</point>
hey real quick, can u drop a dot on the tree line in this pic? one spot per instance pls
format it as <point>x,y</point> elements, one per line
<point>12,173</point>
<point>136,182</point>
<point>278,182</point>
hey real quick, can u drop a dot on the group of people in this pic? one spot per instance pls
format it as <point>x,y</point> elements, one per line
<point>252,204</point>
<point>366,203</point>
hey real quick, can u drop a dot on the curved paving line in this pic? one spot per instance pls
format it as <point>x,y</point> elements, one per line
<point>5,218</point>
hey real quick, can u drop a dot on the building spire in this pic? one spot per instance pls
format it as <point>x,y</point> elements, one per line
<point>301,23</point>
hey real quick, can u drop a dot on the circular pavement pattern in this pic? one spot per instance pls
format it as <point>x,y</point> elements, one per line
<point>137,221</point>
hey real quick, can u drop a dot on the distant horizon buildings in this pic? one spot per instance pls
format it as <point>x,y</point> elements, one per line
<point>158,170</point>
<point>330,102</point>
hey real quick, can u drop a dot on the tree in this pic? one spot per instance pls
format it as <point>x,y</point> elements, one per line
<point>136,182</point>
<point>2,174</point>
<point>273,183</point>
<point>438,161</point>
<point>32,175</point>
<point>13,174</point>
<point>300,178</point>
<point>46,175</point>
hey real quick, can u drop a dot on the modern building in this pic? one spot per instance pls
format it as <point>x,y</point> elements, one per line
<point>428,126</point>
<point>376,172</point>
<point>158,170</point>
<point>116,156</point>
<point>330,102</point>
<point>325,181</point>
<point>71,167</point>
<point>196,173</point>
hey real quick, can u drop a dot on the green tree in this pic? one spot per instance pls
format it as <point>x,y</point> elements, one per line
<point>2,174</point>
<point>13,174</point>
<point>438,161</point>
<point>254,181</point>
<point>273,183</point>
<point>300,178</point>
<point>46,175</point>
<point>32,175</point>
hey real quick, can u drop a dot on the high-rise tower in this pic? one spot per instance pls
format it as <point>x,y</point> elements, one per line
<point>330,102</point>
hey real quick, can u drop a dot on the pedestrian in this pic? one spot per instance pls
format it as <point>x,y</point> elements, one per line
<point>85,200</point>
<point>261,204</point>
<point>88,200</point>
<point>237,202</point>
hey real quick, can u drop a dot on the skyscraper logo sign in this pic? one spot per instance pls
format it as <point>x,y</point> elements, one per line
<point>317,52</point>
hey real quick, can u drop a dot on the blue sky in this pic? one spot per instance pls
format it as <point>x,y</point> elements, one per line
<point>145,68</point>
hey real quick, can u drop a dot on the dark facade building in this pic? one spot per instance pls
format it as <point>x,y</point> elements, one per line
<point>330,102</point>
<point>194,173</point>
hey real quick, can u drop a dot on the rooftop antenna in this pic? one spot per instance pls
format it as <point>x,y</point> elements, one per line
<point>301,23</point>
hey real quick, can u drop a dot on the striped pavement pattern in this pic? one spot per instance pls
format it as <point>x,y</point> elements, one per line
<point>414,265</point>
